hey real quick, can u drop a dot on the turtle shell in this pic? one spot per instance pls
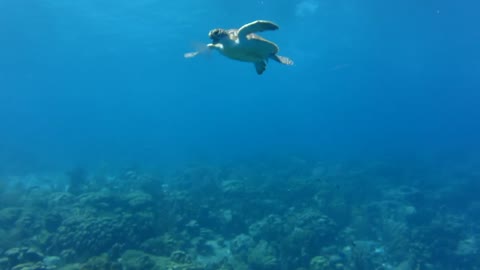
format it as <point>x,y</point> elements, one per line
<point>253,49</point>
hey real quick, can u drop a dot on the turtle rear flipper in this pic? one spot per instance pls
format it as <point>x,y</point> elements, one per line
<point>282,59</point>
<point>260,67</point>
<point>256,26</point>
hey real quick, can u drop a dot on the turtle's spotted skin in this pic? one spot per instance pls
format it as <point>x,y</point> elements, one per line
<point>244,45</point>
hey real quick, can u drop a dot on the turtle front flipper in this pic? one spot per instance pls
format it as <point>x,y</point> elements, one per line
<point>256,26</point>
<point>216,46</point>
<point>260,67</point>
<point>190,54</point>
<point>203,50</point>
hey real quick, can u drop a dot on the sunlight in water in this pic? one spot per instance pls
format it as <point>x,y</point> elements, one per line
<point>306,7</point>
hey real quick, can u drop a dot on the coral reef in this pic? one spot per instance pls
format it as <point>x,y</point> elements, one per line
<point>297,214</point>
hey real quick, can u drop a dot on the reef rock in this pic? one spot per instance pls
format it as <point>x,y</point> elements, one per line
<point>163,245</point>
<point>101,262</point>
<point>52,262</point>
<point>137,260</point>
<point>22,255</point>
<point>271,227</point>
<point>8,216</point>
<point>263,257</point>
<point>4,263</point>
<point>139,200</point>
<point>318,263</point>
<point>241,245</point>
<point>90,235</point>
<point>30,266</point>
<point>233,187</point>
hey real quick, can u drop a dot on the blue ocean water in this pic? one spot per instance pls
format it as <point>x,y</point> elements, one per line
<point>83,81</point>
<point>117,152</point>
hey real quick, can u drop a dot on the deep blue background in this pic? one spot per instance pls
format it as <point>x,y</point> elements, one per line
<point>83,82</point>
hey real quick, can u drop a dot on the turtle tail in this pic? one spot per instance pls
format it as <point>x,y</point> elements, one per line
<point>282,59</point>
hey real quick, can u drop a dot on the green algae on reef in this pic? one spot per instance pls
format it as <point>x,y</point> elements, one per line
<point>302,215</point>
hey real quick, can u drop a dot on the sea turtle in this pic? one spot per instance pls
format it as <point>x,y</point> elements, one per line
<point>244,45</point>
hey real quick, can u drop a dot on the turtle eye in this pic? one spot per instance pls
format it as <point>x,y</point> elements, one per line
<point>213,33</point>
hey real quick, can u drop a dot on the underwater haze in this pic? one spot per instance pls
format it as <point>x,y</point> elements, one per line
<point>89,81</point>
<point>117,152</point>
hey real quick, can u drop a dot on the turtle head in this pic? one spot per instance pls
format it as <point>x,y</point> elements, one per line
<point>217,34</point>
